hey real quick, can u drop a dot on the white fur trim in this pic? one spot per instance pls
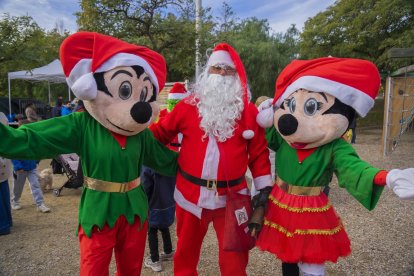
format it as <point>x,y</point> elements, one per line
<point>81,68</point>
<point>211,159</point>
<point>349,95</point>
<point>220,57</point>
<point>262,181</point>
<point>248,134</point>
<point>312,269</point>
<point>265,118</point>
<point>122,59</point>
<point>85,87</point>
<point>186,205</point>
<point>177,96</point>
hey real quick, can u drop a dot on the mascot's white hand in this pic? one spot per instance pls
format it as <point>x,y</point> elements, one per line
<point>265,104</point>
<point>265,116</point>
<point>401,182</point>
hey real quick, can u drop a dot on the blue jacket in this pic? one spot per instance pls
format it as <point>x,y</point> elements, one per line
<point>65,111</point>
<point>160,193</point>
<point>26,165</point>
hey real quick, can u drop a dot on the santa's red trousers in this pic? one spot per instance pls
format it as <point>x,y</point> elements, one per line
<point>128,241</point>
<point>191,231</point>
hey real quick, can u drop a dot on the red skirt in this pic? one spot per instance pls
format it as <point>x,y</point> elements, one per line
<point>303,229</point>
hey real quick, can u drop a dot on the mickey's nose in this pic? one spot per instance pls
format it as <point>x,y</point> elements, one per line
<point>141,112</point>
<point>287,124</point>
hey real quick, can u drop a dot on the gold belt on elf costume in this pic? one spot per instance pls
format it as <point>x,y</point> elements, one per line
<point>110,187</point>
<point>298,190</point>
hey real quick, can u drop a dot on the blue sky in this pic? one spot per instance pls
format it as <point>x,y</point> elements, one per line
<point>279,13</point>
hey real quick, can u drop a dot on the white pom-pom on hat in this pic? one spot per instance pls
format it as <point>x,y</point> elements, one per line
<point>85,87</point>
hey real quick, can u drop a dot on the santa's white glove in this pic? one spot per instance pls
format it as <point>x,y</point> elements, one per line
<point>401,182</point>
<point>265,116</point>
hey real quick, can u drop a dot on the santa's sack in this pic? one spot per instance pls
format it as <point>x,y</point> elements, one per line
<point>238,211</point>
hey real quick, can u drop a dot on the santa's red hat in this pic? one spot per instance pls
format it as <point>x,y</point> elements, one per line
<point>85,53</point>
<point>224,54</point>
<point>178,92</point>
<point>354,82</point>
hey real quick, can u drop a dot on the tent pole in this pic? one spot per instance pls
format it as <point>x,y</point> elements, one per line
<point>48,84</point>
<point>9,99</point>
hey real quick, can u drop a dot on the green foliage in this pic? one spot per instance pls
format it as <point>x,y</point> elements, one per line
<point>167,26</point>
<point>361,29</point>
<point>263,55</point>
<point>23,46</point>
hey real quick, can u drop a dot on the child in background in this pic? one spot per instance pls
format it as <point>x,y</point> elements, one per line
<point>160,192</point>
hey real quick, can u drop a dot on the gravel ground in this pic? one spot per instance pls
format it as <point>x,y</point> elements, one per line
<point>382,240</point>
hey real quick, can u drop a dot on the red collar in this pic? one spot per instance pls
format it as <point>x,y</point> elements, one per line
<point>304,153</point>
<point>121,139</point>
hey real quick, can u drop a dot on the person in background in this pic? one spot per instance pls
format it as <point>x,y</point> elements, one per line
<point>5,172</point>
<point>66,108</point>
<point>160,192</point>
<point>23,169</point>
<point>79,106</point>
<point>30,112</point>
<point>27,169</point>
<point>56,111</point>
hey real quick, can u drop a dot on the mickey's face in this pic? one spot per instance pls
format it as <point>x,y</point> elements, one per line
<point>125,103</point>
<point>310,119</point>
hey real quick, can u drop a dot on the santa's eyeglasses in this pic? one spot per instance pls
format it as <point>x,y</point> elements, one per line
<point>219,69</point>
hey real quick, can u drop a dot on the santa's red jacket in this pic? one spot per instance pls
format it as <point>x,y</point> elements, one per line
<point>206,158</point>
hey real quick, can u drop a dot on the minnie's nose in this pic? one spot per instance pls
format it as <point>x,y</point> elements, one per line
<point>287,124</point>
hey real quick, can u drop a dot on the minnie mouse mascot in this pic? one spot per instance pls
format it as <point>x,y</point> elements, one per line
<point>315,100</point>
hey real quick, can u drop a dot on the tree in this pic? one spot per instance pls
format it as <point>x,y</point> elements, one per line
<point>361,29</point>
<point>264,55</point>
<point>167,26</point>
<point>228,20</point>
<point>24,45</point>
<point>141,18</point>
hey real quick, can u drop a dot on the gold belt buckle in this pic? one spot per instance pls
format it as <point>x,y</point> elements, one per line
<point>211,184</point>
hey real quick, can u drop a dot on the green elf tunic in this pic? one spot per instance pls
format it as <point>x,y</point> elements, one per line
<point>306,228</point>
<point>102,158</point>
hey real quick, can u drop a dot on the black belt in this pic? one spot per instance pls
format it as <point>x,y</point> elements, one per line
<point>211,184</point>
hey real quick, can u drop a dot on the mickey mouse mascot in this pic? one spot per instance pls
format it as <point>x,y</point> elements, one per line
<point>118,83</point>
<point>314,103</point>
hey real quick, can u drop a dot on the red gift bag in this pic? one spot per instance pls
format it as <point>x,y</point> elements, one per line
<point>238,212</point>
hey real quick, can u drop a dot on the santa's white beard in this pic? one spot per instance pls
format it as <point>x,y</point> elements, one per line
<point>220,104</point>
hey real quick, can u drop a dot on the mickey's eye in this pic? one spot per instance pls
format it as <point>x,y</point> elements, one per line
<point>291,104</point>
<point>143,95</point>
<point>311,106</point>
<point>125,90</point>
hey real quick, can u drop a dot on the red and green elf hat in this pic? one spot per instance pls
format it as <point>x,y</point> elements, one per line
<point>85,53</point>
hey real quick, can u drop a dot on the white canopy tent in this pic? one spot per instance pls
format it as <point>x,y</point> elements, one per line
<point>52,73</point>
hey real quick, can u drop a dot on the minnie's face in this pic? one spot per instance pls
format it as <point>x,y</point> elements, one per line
<point>125,103</point>
<point>307,120</point>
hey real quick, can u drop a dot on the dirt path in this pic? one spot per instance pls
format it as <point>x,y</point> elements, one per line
<point>382,240</point>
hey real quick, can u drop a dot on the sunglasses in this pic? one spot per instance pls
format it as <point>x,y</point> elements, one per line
<point>219,68</point>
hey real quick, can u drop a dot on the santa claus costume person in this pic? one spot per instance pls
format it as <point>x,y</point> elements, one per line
<point>220,139</point>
